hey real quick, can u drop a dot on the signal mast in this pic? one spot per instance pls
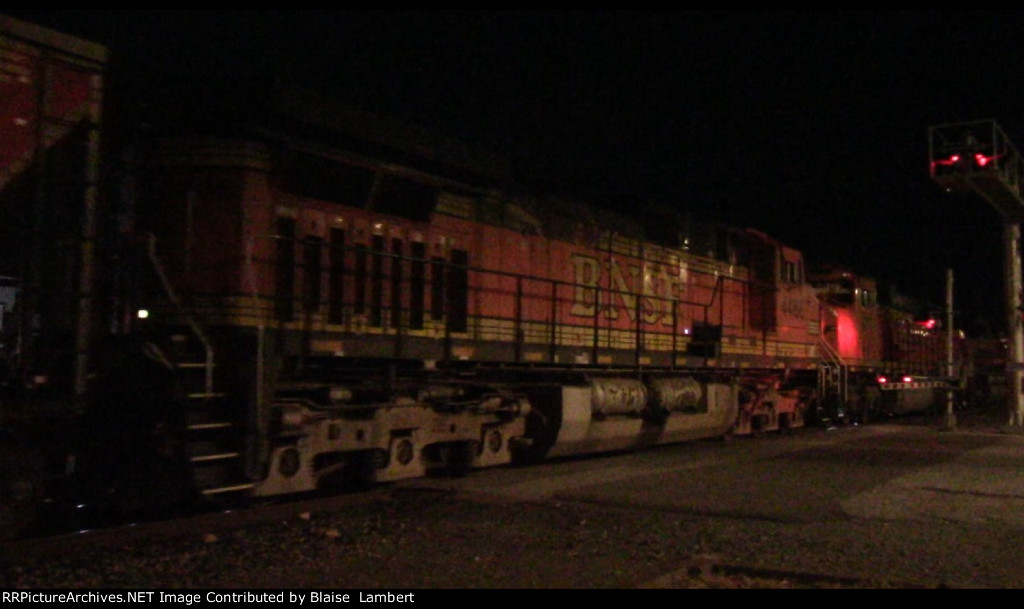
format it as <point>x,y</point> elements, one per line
<point>977,158</point>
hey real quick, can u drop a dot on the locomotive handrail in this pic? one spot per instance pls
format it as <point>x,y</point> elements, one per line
<point>718,291</point>
<point>830,351</point>
<point>706,304</point>
<point>714,298</point>
<point>384,255</point>
<point>834,359</point>
<point>173,296</point>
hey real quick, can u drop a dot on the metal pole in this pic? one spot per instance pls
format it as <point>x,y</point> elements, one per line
<point>518,324</point>
<point>595,348</point>
<point>87,296</point>
<point>1012,280</point>
<point>950,415</point>
<point>552,348</point>
<point>675,333</point>
<point>261,448</point>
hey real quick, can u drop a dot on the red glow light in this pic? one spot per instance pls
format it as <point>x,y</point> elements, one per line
<point>952,160</point>
<point>882,380</point>
<point>848,335</point>
<point>928,324</point>
<point>908,379</point>
<point>982,160</point>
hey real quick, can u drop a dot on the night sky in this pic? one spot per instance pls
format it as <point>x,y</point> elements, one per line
<point>811,126</point>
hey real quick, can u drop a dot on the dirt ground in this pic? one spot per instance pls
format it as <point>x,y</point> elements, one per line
<point>428,539</point>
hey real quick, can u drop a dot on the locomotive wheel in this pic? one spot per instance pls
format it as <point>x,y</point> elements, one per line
<point>21,490</point>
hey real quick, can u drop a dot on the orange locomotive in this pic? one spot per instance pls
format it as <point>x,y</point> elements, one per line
<point>303,301</point>
<point>404,322</point>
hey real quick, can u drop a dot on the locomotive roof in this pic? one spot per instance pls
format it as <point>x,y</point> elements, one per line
<point>302,119</point>
<point>276,113</point>
<point>46,38</point>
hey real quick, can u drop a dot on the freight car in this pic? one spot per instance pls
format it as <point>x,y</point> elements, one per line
<point>310,297</point>
<point>51,89</point>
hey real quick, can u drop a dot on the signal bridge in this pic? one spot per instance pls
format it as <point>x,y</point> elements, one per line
<point>977,158</point>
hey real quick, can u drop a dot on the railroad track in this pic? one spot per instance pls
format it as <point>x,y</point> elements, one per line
<point>480,531</point>
<point>705,572</point>
<point>340,535</point>
<point>699,572</point>
<point>207,523</point>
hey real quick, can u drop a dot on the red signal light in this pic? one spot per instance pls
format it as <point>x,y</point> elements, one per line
<point>908,379</point>
<point>983,161</point>
<point>952,160</point>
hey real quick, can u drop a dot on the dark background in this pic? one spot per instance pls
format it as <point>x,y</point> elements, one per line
<point>809,125</point>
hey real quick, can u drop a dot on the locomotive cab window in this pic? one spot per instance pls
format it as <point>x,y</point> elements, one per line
<point>791,272</point>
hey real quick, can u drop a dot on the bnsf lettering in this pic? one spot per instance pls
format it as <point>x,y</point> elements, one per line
<point>608,284</point>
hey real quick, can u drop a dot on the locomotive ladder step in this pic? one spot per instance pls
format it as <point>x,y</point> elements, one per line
<point>206,396</point>
<point>211,426</point>
<point>217,457</point>
<point>229,489</point>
